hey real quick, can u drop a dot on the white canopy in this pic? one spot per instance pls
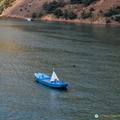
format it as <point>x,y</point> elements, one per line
<point>54,77</point>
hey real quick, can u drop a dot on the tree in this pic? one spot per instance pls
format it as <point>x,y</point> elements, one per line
<point>58,13</point>
<point>40,14</point>
<point>88,2</point>
<point>61,3</point>
<point>34,15</point>
<point>117,18</point>
<point>52,6</point>
<point>69,15</point>
<point>72,15</point>
<point>111,12</point>
<point>92,9</point>
<point>86,15</point>
<point>108,21</point>
<point>45,6</point>
<point>66,14</point>
<point>76,1</point>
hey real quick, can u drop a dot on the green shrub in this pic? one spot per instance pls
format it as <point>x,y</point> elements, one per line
<point>58,13</point>
<point>100,11</point>
<point>76,1</point>
<point>85,15</point>
<point>69,15</point>
<point>117,18</point>
<point>1,9</point>
<point>112,11</point>
<point>108,21</point>
<point>88,2</point>
<point>50,7</point>
<point>40,14</point>
<point>8,3</point>
<point>34,15</point>
<point>45,6</point>
<point>65,14</point>
<point>118,7</point>
<point>72,15</point>
<point>61,3</point>
<point>92,9</point>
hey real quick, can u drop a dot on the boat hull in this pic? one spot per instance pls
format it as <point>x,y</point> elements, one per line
<point>45,79</point>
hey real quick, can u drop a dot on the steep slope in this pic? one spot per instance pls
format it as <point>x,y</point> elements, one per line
<point>25,8</point>
<point>95,12</point>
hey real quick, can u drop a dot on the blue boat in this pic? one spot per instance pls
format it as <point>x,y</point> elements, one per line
<point>50,81</point>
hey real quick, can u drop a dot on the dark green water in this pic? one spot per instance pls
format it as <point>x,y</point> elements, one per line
<point>87,57</point>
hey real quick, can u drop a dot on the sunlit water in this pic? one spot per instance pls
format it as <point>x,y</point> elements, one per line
<point>87,57</point>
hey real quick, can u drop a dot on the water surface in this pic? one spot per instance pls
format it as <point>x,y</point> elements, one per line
<point>87,57</point>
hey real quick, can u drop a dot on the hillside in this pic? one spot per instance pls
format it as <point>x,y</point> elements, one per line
<point>93,13</point>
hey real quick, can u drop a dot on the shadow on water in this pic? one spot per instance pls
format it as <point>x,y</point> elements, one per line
<point>51,88</point>
<point>103,34</point>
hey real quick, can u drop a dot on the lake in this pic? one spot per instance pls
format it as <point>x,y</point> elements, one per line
<point>85,56</point>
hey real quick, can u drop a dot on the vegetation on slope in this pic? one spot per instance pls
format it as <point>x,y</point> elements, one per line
<point>113,13</point>
<point>58,9</point>
<point>85,2</point>
<point>88,11</point>
<point>54,7</point>
<point>5,4</point>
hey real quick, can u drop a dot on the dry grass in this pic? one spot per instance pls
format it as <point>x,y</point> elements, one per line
<point>23,8</point>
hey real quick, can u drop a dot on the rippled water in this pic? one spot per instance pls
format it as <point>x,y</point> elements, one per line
<point>87,57</point>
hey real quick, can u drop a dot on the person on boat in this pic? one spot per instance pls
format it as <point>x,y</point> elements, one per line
<point>57,81</point>
<point>42,76</point>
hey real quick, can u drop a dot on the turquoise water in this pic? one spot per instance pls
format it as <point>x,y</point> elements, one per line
<point>87,57</point>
